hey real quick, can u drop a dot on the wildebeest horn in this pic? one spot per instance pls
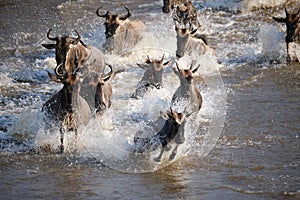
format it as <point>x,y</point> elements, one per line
<point>127,15</point>
<point>78,36</point>
<point>286,12</point>
<point>196,69</point>
<point>162,57</point>
<point>98,13</point>
<point>109,73</point>
<point>148,60</point>
<point>57,73</point>
<point>298,12</point>
<point>48,35</point>
<point>177,67</point>
<point>194,31</point>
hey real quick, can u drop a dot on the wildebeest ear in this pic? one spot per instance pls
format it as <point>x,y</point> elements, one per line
<point>142,66</point>
<point>49,46</point>
<point>279,19</point>
<point>196,69</point>
<point>168,63</point>
<point>165,116</point>
<point>82,71</point>
<point>176,70</point>
<point>54,78</point>
<point>203,37</point>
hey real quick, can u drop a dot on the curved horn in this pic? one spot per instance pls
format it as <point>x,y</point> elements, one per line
<point>148,60</point>
<point>98,13</point>
<point>127,15</point>
<point>78,35</point>
<point>48,35</point>
<point>109,73</point>
<point>286,12</point>
<point>57,73</point>
<point>196,69</point>
<point>194,31</point>
<point>177,67</point>
<point>162,57</point>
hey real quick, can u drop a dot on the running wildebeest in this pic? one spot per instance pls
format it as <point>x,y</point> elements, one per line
<point>292,39</point>
<point>191,42</point>
<point>102,89</point>
<point>168,5</point>
<point>172,131</point>
<point>152,77</point>
<point>72,53</point>
<point>67,109</point>
<point>187,96</point>
<point>185,16</point>
<point>121,33</point>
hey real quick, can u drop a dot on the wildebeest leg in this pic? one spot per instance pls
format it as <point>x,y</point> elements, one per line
<point>158,158</point>
<point>61,149</point>
<point>76,137</point>
<point>288,58</point>
<point>164,148</point>
<point>173,154</point>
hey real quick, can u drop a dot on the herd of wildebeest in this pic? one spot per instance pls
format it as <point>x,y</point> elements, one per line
<point>87,91</point>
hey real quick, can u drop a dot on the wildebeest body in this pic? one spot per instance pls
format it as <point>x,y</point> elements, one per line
<point>121,33</point>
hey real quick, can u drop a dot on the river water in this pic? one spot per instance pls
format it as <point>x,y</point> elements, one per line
<point>244,143</point>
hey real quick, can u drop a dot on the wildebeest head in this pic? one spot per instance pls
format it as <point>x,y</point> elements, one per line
<point>63,53</point>
<point>186,75</point>
<point>112,22</point>
<point>154,69</point>
<point>103,94</point>
<point>65,100</point>
<point>183,36</point>
<point>169,5</point>
<point>292,21</point>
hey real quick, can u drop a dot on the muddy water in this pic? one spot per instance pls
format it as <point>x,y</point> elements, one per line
<point>256,155</point>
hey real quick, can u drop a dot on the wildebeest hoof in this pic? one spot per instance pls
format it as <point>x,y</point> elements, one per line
<point>61,149</point>
<point>157,159</point>
<point>172,156</point>
<point>167,148</point>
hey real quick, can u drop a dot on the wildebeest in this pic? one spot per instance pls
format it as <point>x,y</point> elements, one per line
<point>292,22</point>
<point>67,107</point>
<point>168,5</point>
<point>185,16</point>
<point>172,131</point>
<point>121,33</point>
<point>187,97</point>
<point>73,53</point>
<point>101,90</point>
<point>152,77</point>
<point>191,42</point>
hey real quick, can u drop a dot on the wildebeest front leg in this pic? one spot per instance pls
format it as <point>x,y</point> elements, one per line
<point>158,158</point>
<point>61,148</point>
<point>173,154</point>
<point>165,148</point>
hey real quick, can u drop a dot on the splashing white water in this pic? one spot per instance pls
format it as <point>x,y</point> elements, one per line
<point>270,39</point>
